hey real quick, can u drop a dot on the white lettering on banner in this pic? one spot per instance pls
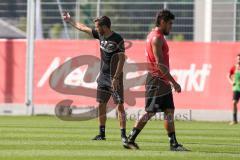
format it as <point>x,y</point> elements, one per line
<point>55,63</point>
<point>192,79</point>
<point>141,79</point>
<point>75,78</point>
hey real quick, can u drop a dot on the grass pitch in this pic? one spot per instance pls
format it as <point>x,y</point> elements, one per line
<point>46,137</point>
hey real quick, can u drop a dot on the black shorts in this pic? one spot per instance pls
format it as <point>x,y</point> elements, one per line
<point>236,95</point>
<point>158,95</point>
<point>105,92</point>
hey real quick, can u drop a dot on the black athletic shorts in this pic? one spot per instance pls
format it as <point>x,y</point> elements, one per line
<point>158,95</point>
<point>236,95</point>
<point>104,93</point>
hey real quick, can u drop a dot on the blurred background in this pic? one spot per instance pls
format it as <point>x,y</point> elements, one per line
<point>133,19</point>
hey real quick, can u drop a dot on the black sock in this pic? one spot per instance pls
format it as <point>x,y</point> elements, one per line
<point>134,133</point>
<point>123,132</point>
<point>102,130</point>
<point>235,117</point>
<point>172,138</point>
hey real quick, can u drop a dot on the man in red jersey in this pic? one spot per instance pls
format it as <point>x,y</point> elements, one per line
<point>234,79</point>
<point>158,94</point>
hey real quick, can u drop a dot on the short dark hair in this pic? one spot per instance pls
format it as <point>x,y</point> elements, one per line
<point>103,21</point>
<point>165,15</point>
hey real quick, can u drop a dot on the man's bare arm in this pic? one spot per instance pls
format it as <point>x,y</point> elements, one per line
<point>121,60</point>
<point>230,79</point>
<point>158,54</point>
<point>77,25</point>
<point>121,57</point>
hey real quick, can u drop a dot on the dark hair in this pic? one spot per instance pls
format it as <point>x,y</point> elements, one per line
<point>165,15</point>
<point>103,21</point>
<point>238,55</point>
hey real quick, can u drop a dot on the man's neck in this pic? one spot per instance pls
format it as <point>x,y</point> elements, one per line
<point>107,33</point>
<point>159,28</point>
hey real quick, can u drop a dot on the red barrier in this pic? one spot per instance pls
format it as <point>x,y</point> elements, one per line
<point>12,69</point>
<point>200,68</point>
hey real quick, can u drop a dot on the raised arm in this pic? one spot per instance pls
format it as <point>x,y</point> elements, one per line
<point>77,25</point>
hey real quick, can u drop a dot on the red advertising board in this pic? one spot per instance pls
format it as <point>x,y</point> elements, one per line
<point>200,68</point>
<point>12,69</point>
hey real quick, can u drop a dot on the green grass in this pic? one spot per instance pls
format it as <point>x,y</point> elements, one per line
<point>45,137</point>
